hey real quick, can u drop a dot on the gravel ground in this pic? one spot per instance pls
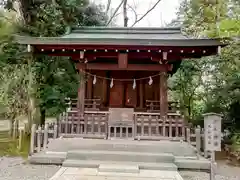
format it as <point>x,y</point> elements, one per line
<point>224,172</point>
<point>17,169</point>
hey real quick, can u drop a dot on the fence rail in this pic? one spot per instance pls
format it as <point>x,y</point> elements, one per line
<point>40,136</point>
<point>195,137</point>
<point>153,127</point>
<point>96,125</point>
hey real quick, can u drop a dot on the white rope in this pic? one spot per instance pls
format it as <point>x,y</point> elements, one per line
<point>113,79</point>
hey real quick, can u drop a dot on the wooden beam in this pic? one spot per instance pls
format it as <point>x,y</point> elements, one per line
<point>131,67</point>
<point>122,60</point>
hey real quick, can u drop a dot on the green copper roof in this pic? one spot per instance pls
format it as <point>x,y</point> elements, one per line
<point>121,36</point>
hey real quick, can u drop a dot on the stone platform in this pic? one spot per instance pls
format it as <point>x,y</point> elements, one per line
<point>143,155</point>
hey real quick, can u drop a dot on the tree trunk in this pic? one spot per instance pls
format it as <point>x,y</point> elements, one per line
<point>33,110</point>
<point>31,99</point>
<point>11,125</point>
<point>125,18</point>
<point>42,116</point>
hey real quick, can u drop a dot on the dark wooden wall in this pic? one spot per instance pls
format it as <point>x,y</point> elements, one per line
<point>122,93</point>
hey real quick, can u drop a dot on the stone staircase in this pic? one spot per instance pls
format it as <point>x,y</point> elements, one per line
<point>121,155</point>
<point>139,160</point>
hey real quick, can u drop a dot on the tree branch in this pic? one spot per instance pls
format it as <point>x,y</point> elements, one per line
<point>115,12</point>
<point>134,11</point>
<point>144,15</point>
<point>108,6</point>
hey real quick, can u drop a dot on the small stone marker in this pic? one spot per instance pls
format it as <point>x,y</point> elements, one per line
<point>212,126</point>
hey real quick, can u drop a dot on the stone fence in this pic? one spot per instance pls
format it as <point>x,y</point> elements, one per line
<point>195,137</point>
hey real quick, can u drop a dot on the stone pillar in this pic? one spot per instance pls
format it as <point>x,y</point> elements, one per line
<point>163,99</point>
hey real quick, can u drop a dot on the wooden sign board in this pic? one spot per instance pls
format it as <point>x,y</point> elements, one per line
<point>121,116</point>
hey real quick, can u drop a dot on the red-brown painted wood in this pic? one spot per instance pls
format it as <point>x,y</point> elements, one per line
<point>116,95</point>
<point>122,60</point>
<point>89,87</point>
<point>81,93</point>
<point>141,94</point>
<point>130,67</point>
<point>163,95</point>
<point>130,96</point>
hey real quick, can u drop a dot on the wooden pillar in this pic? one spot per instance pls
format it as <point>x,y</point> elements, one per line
<point>104,92</point>
<point>81,93</point>
<point>163,99</point>
<point>141,94</point>
<point>89,87</point>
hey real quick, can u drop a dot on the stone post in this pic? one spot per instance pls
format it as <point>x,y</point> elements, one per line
<point>188,135</point>
<point>198,138</point>
<point>45,137</point>
<point>39,134</point>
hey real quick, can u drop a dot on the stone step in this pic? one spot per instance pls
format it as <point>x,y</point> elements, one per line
<point>141,165</point>
<point>175,148</point>
<point>42,158</point>
<point>193,164</point>
<point>121,156</point>
<point>119,168</point>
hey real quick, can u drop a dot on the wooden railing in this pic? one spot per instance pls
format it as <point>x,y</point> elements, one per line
<point>93,124</point>
<point>90,104</point>
<point>144,125</point>
<point>154,106</point>
<point>41,135</point>
<point>147,127</point>
<point>150,126</point>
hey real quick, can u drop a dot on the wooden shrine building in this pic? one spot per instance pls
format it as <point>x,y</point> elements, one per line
<point>123,91</point>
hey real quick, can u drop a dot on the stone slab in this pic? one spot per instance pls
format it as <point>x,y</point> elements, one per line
<point>92,174</point>
<point>141,165</point>
<point>193,164</point>
<point>120,156</point>
<point>70,144</point>
<point>43,158</point>
<point>120,168</point>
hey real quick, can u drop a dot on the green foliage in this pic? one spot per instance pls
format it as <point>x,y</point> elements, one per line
<point>210,83</point>
<point>13,79</point>
<point>60,80</point>
<point>33,84</point>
